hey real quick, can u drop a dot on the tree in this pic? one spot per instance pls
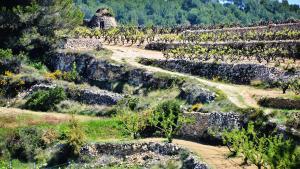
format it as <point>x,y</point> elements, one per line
<point>132,122</point>
<point>262,150</point>
<point>168,118</point>
<point>75,137</point>
<point>31,25</point>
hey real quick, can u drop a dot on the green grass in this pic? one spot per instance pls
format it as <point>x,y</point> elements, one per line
<point>99,130</point>
<point>153,98</point>
<point>16,164</point>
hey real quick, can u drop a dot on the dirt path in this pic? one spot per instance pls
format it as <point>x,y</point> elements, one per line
<point>215,157</point>
<point>240,95</point>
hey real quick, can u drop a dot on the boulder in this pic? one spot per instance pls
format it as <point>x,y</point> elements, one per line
<point>194,93</point>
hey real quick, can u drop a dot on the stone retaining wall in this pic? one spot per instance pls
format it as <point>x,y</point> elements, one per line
<point>104,74</point>
<point>81,43</point>
<point>209,125</point>
<point>125,150</point>
<point>87,95</point>
<point>234,73</point>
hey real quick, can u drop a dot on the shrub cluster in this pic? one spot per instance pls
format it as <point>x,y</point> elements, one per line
<point>167,118</point>
<point>68,76</point>
<point>26,143</point>
<point>45,100</point>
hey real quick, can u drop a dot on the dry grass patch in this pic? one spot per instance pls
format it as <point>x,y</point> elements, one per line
<point>13,117</point>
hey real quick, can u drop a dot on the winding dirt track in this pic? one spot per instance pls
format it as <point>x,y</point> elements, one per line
<point>240,95</point>
<point>215,157</point>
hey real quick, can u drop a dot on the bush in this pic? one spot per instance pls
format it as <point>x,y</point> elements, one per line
<point>132,122</point>
<point>294,120</point>
<point>24,144</point>
<point>6,54</point>
<point>168,118</point>
<point>75,137</point>
<point>45,100</point>
<point>59,75</point>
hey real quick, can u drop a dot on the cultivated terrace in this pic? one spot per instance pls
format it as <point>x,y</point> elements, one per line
<point>185,84</point>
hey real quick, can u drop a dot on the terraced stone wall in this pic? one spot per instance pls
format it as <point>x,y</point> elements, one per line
<point>208,126</point>
<point>234,73</point>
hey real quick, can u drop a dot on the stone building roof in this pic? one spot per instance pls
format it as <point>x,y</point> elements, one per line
<point>103,19</point>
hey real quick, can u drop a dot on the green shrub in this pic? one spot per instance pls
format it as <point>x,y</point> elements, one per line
<point>132,122</point>
<point>6,54</point>
<point>75,137</point>
<point>294,120</point>
<point>45,100</point>
<point>168,118</point>
<point>25,143</point>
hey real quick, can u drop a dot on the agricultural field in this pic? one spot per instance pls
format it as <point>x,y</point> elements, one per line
<point>76,95</point>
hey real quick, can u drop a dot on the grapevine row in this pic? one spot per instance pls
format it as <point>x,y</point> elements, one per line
<point>269,53</point>
<point>134,35</point>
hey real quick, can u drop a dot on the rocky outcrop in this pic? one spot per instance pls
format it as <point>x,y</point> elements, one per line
<point>81,44</point>
<point>234,73</point>
<point>143,153</point>
<point>88,95</point>
<point>208,126</point>
<point>194,93</point>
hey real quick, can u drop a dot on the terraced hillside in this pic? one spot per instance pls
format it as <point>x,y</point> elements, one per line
<point>106,98</point>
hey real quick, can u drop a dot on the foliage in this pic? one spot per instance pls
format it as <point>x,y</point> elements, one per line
<point>6,54</point>
<point>59,75</point>
<point>75,137</point>
<point>132,122</point>
<point>26,143</point>
<point>168,118</point>
<point>129,102</point>
<point>196,107</point>
<point>184,12</point>
<point>45,100</point>
<point>31,25</point>
<point>262,150</point>
<point>234,52</point>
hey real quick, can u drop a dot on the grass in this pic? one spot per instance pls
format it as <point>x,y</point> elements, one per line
<point>99,130</point>
<point>153,98</point>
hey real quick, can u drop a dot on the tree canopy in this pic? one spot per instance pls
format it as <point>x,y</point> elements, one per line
<point>30,25</point>
<point>180,12</point>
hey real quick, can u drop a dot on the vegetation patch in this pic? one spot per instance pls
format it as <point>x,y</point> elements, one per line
<point>45,100</point>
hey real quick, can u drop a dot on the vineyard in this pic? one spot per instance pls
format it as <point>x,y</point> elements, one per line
<point>275,43</point>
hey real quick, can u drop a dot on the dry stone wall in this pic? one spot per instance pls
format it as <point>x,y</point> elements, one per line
<point>87,95</point>
<point>209,125</point>
<point>104,73</point>
<point>234,73</point>
<point>126,150</point>
<point>81,44</point>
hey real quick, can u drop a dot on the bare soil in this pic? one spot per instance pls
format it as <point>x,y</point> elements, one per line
<point>215,156</point>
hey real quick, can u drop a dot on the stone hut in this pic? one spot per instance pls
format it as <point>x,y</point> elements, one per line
<point>103,19</point>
